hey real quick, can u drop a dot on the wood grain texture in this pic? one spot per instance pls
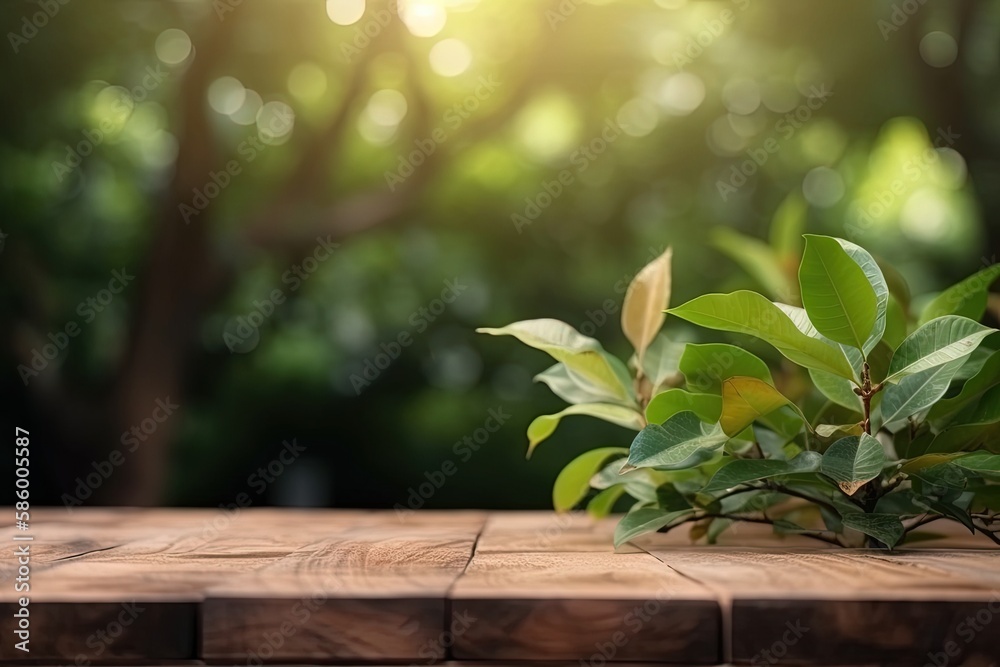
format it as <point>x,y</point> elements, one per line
<point>849,606</point>
<point>127,586</point>
<point>377,591</point>
<point>624,607</point>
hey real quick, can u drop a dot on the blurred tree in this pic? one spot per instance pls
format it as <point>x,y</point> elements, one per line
<point>515,144</point>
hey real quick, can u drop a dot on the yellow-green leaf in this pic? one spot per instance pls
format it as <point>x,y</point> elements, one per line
<point>573,481</point>
<point>646,300</point>
<point>545,425</point>
<point>744,400</point>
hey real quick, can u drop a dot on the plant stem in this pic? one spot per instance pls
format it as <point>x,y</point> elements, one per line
<point>869,492</point>
<point>797,494</point>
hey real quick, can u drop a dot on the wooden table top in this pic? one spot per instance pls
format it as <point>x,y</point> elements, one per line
<point>128,586</point>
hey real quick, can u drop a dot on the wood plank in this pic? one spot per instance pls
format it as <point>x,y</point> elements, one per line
<point>848,606</point>
<point>91,566</point>
<point>582,606</point>
<point>548,532</point>
<point>100,632</point>
<point>376,592</point>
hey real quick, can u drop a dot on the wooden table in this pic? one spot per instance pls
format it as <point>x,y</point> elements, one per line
<point>359,587</point>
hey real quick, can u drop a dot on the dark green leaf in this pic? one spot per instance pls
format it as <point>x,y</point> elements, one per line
<point>852,461</point>
<point>886,528</point>
<point>683,441</point>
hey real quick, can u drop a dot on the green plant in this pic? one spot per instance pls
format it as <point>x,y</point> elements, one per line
<point>897,426</point>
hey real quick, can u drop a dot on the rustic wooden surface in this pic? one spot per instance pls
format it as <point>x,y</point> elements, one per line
<point>308,587</point>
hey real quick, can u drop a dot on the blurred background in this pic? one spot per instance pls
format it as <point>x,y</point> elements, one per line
<point>245,245</point>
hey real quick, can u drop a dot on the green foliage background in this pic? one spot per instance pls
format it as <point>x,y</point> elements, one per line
<point>862,162</point>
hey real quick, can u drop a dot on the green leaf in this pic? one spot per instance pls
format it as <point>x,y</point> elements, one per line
<point>967,298</point>
<point>936,343</point>
<point>800,318</point>
<point>874,275</point>
<point>641,483</point>
<point>886,528</point>
<point>837,389</point>
<point>601,505</point>
<point>661,361</point>
<point>953,504</point>
<point>926,461</point>
<point>644,520</point>
<point>573,388</point>
<point>648,295</point>
<point>915,393</point>
<point>852,461</point>
<point>975,427</point>
<point>898,287</point>
<point>706,366</point>
<point>666,404</point>
<point>582,355</point>
<point>987,377</point>
<point>787,227</point>
<point>836,293</point>
<point>757,259</point>
<point>545,425</point>
<point>573,482</point>
<point>982,463</point>
<point>683,441</point>
<point>843,430</point>
<point>939,480</point>
<point>751,313</point>
<point>742,471</point>
<point>744,400</point>
<point>895,324</point>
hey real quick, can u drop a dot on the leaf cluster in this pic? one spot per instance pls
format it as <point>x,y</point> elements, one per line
<point>882,422</point>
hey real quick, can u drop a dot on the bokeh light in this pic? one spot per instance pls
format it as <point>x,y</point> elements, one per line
<point>345,12</point>
<point>450,57</point>
<point>173,46</point>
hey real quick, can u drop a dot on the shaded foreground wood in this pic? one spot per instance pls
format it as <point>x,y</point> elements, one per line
<point>294,587</point>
